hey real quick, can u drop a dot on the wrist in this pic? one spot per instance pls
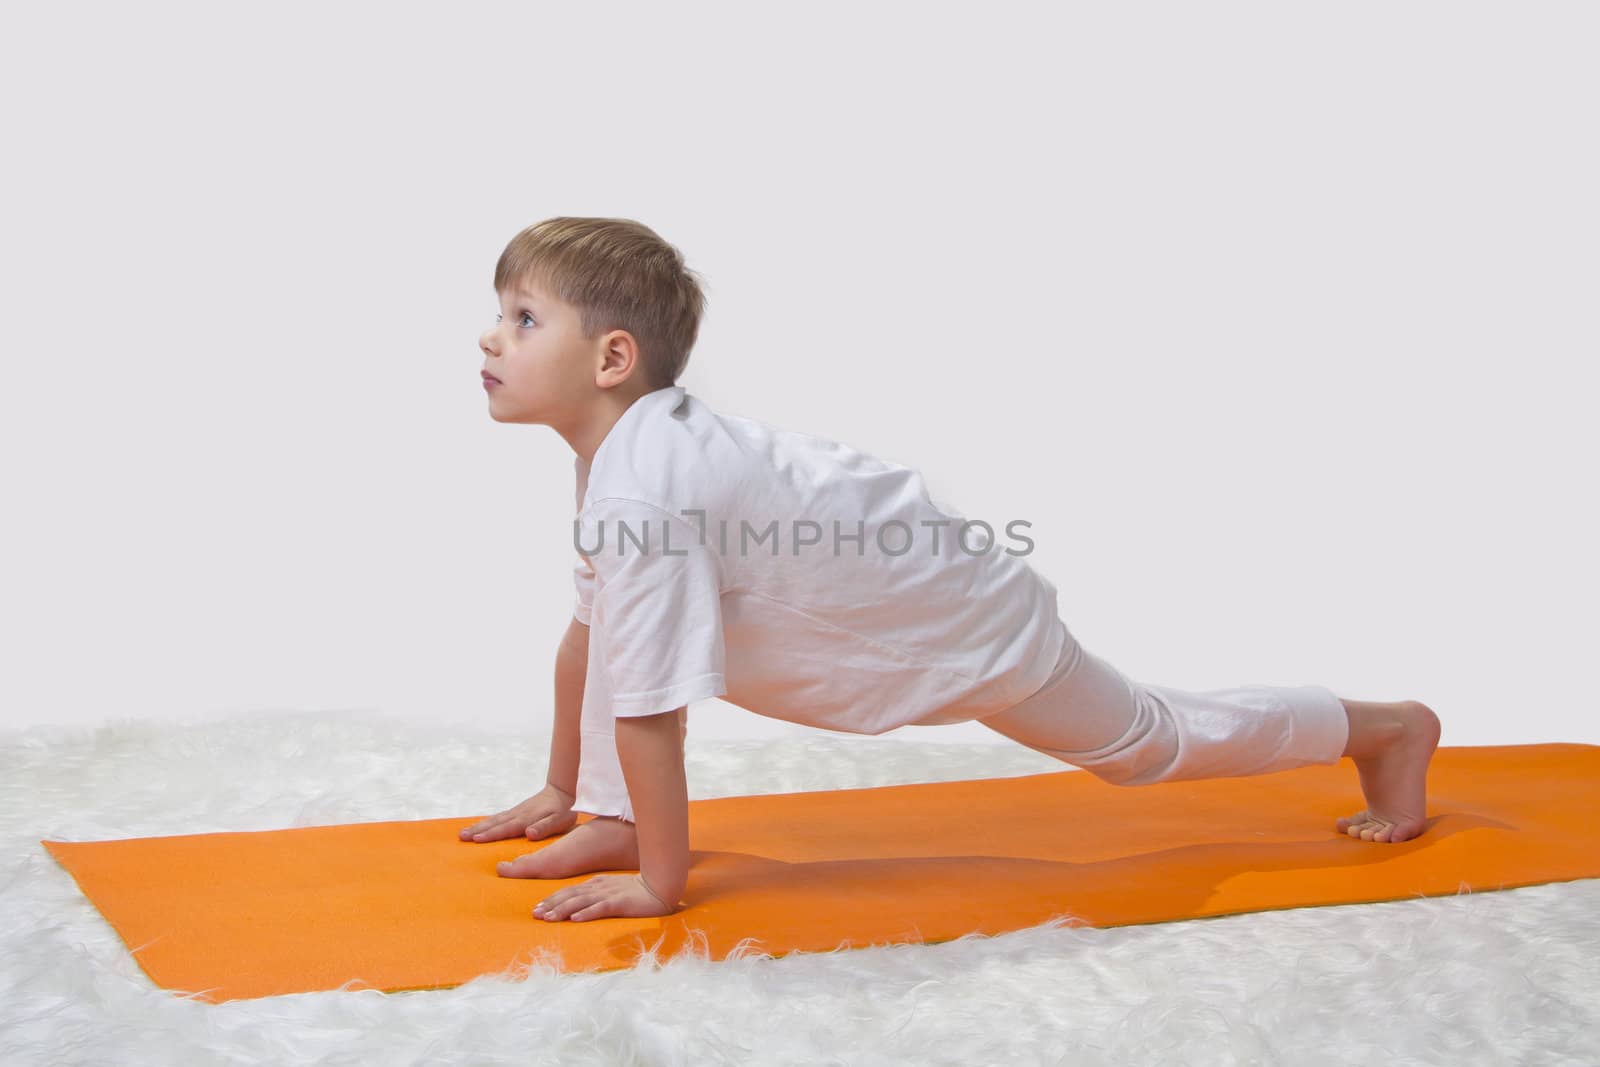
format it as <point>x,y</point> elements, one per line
<point>569,797</point>
<point>652,892</point>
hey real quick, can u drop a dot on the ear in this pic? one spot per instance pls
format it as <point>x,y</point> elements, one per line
<point>618,358</point>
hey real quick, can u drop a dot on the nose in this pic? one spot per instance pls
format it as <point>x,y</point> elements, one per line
<point>483,342</point>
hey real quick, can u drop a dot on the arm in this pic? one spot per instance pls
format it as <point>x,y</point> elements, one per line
<point>657,647</point>
<point>650,748</point>
<point>572,666</point>
<point>549,811</point>
<point>650,751</point>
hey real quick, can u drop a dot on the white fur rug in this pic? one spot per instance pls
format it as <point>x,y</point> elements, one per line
<point>1507,977</point>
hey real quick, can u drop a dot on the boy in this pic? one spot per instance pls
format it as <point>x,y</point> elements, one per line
<point>806,581</point>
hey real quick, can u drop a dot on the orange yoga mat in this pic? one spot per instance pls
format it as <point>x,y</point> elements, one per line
<point>408,905</point>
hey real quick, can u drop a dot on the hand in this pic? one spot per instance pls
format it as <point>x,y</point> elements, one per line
<point>601,897</point>
<point>546,813</point>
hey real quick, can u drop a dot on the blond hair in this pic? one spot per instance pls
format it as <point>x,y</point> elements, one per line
<point>620,275</point>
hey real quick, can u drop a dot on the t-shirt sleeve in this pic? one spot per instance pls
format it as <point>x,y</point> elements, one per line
<point>583,580</point>
<point>656,617</point>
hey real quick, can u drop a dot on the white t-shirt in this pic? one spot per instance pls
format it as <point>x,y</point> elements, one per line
<point>791,575</point>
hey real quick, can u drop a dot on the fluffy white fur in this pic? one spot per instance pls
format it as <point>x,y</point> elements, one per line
<point>1495,977</point>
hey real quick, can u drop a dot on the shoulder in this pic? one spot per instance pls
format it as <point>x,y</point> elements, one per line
<point>685,458</point>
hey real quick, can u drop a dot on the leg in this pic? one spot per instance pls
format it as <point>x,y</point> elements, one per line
<point>604,843</point>
<point>610,840</point>
<point>1127,733</point>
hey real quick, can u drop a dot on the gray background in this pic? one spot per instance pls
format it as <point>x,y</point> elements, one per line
<point>1274,320</point>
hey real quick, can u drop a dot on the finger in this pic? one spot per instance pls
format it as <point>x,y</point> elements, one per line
<point>484,823</point>
<point>490,833</point>
<point>559,905</point>
<point>548,909</point>
<point>496,828</point>
<point>599,909</point>
<point>552,901</point>
<point>544,826</point>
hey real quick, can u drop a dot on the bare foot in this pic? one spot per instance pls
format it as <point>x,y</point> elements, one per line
<point>1394,779</point>
<point>603,843</point>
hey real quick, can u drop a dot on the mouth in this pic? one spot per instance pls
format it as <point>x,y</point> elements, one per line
<point>489,379</point>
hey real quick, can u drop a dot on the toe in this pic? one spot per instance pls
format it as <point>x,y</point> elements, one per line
<point>521,867</point>
<point>1352,820</point>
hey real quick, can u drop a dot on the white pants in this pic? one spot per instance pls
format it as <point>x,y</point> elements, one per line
<point>1128,733</point>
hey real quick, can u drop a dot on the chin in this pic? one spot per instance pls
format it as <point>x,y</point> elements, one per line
<point>501,414</point>
<point>500,411</point>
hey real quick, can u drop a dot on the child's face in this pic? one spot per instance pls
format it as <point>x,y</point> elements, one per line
<point>543,365</point>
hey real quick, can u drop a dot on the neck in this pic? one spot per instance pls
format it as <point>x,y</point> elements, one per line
<point>609,405</point>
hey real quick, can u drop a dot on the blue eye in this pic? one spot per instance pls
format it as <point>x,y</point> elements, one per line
<point>525,315</point>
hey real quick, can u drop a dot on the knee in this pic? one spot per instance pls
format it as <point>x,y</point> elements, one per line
<point>1115,776</point>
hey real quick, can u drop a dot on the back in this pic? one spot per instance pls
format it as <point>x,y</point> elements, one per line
<point>847,600</point>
